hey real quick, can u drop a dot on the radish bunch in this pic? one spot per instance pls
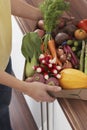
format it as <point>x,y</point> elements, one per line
<point>47,67</point>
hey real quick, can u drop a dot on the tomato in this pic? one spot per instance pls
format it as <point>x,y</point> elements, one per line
<point>83,24</point>
<point>80,34</point>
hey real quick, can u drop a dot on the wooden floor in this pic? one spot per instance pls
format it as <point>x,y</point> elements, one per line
<point>21,117</point>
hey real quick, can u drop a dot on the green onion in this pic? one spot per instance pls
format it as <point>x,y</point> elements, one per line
<point>82,56</point>
<point>85,66</point>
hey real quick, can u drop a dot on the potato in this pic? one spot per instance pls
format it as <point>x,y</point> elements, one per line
<point>60,52</point>
<point>63,58</point>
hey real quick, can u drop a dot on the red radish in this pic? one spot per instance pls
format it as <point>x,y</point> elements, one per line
<point>53,61</point>
<point>48,57</point>
<point>58,76</point>
<point>54,71</point>
<point>50,65</point>
<point>39,69</point>
<point>58,67</point>
<point>46,76</point>
<point>44,58</point>
<point>42,61</point>
<point>41,56</point>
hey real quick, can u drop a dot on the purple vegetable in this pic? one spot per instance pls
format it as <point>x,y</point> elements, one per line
<point>52,81</point>
<point>71,56</point>
<point>74,60</point>
<point>38,77</point>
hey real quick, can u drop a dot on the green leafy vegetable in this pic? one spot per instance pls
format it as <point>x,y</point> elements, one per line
<point>31,44</point>
<point>52,10</point>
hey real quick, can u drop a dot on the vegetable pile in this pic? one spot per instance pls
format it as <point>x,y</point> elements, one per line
<point>56,52</point>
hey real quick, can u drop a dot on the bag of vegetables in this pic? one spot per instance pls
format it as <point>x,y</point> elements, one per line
<point>54,54</point>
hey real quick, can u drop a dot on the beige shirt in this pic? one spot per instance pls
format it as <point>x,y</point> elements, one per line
<point>5,33</point>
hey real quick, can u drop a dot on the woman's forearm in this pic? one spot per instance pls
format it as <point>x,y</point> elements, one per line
<point>11,81</point>
<point>23,9</point>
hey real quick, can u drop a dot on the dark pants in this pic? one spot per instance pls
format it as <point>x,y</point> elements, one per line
<point>5,97</point>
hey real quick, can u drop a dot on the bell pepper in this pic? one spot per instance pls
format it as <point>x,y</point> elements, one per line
<point>82,24</point>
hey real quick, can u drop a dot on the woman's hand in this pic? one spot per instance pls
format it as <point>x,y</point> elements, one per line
<point>23,9</point>
<point>39,91</point>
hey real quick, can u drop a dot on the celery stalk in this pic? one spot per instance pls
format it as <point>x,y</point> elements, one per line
<point>82,56</point>
<point>85,66</point>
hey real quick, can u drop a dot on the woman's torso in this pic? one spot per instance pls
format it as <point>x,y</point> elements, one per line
<point>5,33</point>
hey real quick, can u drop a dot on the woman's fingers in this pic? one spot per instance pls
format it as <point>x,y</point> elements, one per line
<point>53,88</point>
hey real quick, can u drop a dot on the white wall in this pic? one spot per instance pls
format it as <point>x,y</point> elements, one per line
<point>56,117</point>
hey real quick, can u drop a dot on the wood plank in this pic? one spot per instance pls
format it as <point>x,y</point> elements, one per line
<point>78,8</point>
<point>20,114</point>
<point>76,112</point>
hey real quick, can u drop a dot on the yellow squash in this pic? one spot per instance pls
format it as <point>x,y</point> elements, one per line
<point>73,79</point>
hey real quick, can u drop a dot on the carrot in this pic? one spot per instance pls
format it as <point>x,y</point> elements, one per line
<point>42,47</point>
<point>45,52</point>
<point>52,49</point>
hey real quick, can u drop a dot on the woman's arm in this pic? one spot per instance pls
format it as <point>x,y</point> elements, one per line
<point>23,9</point>
<point>36,90</point>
